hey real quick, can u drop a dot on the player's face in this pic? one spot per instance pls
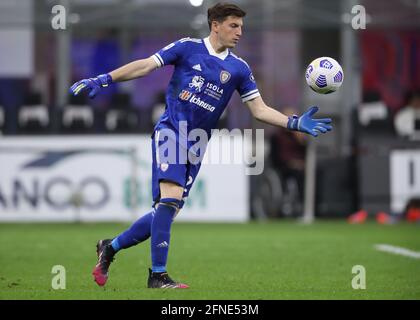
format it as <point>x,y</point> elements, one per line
<point>229,31</point>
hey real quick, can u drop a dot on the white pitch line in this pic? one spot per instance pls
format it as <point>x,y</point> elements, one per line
<point>397,250</point>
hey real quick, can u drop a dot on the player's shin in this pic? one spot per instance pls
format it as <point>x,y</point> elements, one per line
<point>161,228</point>
<point>138,232</point>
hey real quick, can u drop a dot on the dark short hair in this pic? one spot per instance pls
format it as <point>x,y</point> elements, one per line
<point>221,11</point>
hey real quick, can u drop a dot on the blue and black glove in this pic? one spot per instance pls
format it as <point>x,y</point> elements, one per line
<point>306,124</point>
<point>91,85</point>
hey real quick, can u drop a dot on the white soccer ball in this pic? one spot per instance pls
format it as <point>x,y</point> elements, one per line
<point>324,75</point>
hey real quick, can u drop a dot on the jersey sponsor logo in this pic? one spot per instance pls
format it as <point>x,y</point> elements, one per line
<point>214,87</point>
<point>185,95</point>
<point>197,101</point>
<point>224,76</point>
<point>213,91</point>
<point>210,89</point>
<point>188,96</point>
<point>197,83</point>
<point>197,67</point>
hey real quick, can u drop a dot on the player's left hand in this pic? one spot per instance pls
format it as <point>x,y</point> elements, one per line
<point>305,123</point>
<point>91,85</point>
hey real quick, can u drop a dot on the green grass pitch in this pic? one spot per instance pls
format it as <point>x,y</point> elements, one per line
<point>270,261</point>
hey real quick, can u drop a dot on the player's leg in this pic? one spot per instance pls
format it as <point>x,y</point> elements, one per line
<point>106,249</point>
<point>166,209</point>
<point>138,232</point>
<point>162,280</point>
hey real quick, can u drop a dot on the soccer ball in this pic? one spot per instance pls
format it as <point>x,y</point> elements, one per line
<point>324,75</point>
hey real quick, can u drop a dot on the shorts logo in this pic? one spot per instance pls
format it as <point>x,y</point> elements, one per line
<point>190,181</point>
<point>224,76</point>
<point>185,95</point>
<point>164,166</point>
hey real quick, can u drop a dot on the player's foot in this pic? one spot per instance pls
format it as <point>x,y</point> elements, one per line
<point>163,281</point>
<point>105,254</point>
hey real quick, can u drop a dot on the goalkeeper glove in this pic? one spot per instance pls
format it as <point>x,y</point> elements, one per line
<point>306,124</point>
<point>91,85</point>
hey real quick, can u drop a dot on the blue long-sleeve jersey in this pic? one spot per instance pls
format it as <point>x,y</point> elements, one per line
<point>202,84</point>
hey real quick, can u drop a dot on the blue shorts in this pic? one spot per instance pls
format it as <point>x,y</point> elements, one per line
<point>183,173</point>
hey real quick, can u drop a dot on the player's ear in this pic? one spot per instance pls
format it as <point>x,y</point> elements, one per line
<point>215,26</point>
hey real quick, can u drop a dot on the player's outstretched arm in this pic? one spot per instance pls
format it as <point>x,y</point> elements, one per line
<point>304,123</point>
<point>132,70</point>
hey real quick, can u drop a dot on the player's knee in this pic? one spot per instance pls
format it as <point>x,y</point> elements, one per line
<point>171,202</point>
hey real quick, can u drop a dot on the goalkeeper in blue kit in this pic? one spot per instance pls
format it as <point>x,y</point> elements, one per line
<point>205,76</point>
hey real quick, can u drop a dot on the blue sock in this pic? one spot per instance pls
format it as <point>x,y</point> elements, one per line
<point>138,232</point>
<point>161,228</point>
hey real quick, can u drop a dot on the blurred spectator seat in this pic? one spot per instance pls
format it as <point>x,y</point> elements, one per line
<point>33,116</point>
<point>77,116</point>
<point>121,118</point>
<point>372,111</point>
<point>374,114</point>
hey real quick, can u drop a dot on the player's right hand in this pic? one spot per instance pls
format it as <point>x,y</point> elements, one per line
<point>305,123</point>
<point>91,85</point>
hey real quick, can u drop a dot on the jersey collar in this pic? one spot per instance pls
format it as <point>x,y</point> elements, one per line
<point>221,55</point>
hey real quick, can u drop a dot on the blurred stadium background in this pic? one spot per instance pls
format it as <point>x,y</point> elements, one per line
<point>67,159</point>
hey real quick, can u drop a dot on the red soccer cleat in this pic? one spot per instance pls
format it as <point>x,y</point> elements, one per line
<point>105,254</point>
